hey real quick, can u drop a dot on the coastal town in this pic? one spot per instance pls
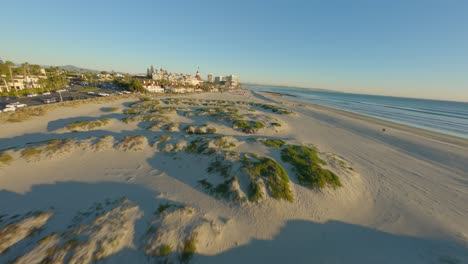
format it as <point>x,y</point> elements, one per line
<point>26,84</point>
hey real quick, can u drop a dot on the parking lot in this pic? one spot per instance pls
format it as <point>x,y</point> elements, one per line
<point>72,93</point>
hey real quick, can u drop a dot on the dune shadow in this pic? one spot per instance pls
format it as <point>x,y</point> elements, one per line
<point>298,241</point>
<point>339,242</point>
<point>67,199</point>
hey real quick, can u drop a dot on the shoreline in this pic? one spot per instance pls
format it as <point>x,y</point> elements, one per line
<point>425,133</point>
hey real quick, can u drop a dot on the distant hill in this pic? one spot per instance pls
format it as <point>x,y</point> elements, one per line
<point>76,69</point>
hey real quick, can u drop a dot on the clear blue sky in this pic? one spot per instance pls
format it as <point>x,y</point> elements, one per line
<point>416,48</point>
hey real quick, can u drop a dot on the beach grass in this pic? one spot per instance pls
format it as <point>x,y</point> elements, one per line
<point>132,142</point>
<point>273,173</point>
<point>87,125</point>
<point>54,145</point>
<point>254,191</point>
<point>132,111</point>
<point>164,138</point>
<point>162,208</point>
<point>222,142</point>
<point>5,158</point>
<point>308,167</point>
<point>222,190</point>
<point>247,126</point>
<point>275,124</point>
<point>188,248</point>
<point>273,143</point>
<point>30,152</point>
<point>165,250</point>
<point>200,130</point>
<point>109,109</point>
<point>220,166</point>
<point>275,109</point>
<point>23,114</point>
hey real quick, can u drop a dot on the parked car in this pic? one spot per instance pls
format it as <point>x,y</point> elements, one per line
<point>103,94</point>
<point>50,100</point>
<point>46,93</point>
<point>21,105</point>
<point>91,93</point>
<point>12,105</point>
<point>9,109</point>
<point>31,95</point>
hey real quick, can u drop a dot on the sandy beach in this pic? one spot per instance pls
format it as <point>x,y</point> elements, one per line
<point>169,179</point>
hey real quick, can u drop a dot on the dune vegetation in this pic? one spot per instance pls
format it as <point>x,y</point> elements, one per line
<point>5,158</point>
<point>248,126</point>
<point>30,152</point>
<point>110,109</point>
<point>87,125</point>
<point>273,143</point>
<point>270,171</point>
<point>188,248</point>
<point>308,167</point>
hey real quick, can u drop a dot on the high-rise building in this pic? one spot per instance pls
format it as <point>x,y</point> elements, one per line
<point>219,79</point>
<point>210,78</point>
<point>232,80</point>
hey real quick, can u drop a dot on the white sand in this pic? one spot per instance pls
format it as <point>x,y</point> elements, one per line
<point>405,201</point>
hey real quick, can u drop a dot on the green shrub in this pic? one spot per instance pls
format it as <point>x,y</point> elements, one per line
<point>5,158</point>
<point>220,166</point>
<point>200,146</point>
<point>30,152</point>
<point>87,125</point>
<point>276,124</point>
<point>164,138</point>
<point>110,109</point>
<point>273,173</point>
<point>164,207</point>
<point>211,130</point>
<point>242,124</point>
<point>222,190</point>
<point>274,143</point>
<point>188,248</point>
<point>56,144</point>
<point>274,108</point>
<point>247,126</point>
<point>307,166</point>
<point>132,112</point>
<point>165,250</point>
<point>223,143</point>
<point>255,194</point>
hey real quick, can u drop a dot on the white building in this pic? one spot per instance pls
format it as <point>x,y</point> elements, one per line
<point>153,87</point>
<point>232,80</point>
<point>210,78</point>
<point>175,89</point>
<point>20,82</point>
<point>219,79</point>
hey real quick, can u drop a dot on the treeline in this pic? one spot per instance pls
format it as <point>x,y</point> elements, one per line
<point>130,84</point>
<point>25,68</point>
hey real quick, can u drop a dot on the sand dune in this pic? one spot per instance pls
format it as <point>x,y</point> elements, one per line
<point>202,179</point>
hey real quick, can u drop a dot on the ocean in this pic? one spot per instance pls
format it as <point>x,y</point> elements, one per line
<point>440,116</point>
